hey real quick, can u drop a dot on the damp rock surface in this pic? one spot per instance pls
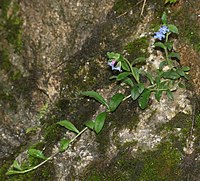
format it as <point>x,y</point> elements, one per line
<point>60,50</point>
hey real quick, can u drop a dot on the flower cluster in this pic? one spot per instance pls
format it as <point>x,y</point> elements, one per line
<point>161,33</point>
<point>114,66</point>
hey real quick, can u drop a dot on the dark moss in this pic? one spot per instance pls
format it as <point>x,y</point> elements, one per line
<point>162,164</point>
<point>122,167</point>
<point>122,6</point>
<point>137,48</point>
<point>11,23</point>
<point>186,19</point>
<point>123,117</point>
<point>180,121</point>
<point>46,172</point>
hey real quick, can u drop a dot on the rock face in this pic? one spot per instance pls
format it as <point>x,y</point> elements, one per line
<point>63,53</point>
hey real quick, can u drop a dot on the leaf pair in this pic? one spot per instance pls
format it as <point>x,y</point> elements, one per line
<point>36,153</point>
<point>137,90</point>
<point>112,105</point>
<point>176,74</point>
<point>98,123</point>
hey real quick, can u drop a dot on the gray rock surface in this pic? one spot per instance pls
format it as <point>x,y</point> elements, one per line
<point>64,52</point>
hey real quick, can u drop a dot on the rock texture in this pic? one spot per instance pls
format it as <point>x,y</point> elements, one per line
<point>64,52</point>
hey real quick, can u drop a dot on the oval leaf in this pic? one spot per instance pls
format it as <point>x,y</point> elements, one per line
<point>158,95</point>
<point>16,165</point>
<point>99,122</point>
<point>125,65</point>
<point>144,99</point>
<point>180,72</point>
<point>169,45</point>
<point>112,55</point>
<point>123,75</point>
<point>136,73</point>
<point>96,96</point>
<point>159,44</point>
<point>173,28</point>
<point>36,153</point>
<point>140,87</point>
<point>139,60</point>
<point>68,125</point>
<point>169,94</point>
<point>174,55</point>
<point>164,18</point>
<point>149,76</point>
<point>185,69</point>
<point>64,144</point>
<point>115,101</point>
<point>90,124</point>
<point>135,92</point>
<point>128,81</point>
<point>162,65</point>
<point>171,74</point>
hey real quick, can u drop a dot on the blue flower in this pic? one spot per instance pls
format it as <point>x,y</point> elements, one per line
<point>161,33</point>
<point>117,67</point>
<point>164,29</point>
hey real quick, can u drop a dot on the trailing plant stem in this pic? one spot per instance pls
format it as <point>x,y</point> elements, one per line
<point>49,158</point>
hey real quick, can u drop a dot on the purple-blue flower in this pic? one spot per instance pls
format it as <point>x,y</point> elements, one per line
<point>164,29</point>
<point>161,33</point>
<point>117,67</point>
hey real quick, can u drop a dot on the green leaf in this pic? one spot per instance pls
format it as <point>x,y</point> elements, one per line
<point>125,65</point>
<point>12,172</point>
<point>136,74</point>
<point>180,72</point>
<point>36,153</point>
<point>174,55</point>
<point>163,85</point>
<point>144,98</point>
<point>170,1</point>
<point>157,80</point>
<point>99,122</point>
<point>68,125</point>
<point>16,165</point>
<point>139,60</point>
<point>149,76</point>
<point>128,81</point>
<point>171,74</point>
<point>90,124</point>
<point>173,28</point>
<point>140,87</point>
<point>159,44</point>
<point>31,129</point>
<point>112,55</point>
<point>164,18</point>
<point>135,92</point>
<point>64,144</point>
<point>186,69</point>
<point>115,101</point>
<point>158,95</point>
<point>96,96</point>
<point>169,45</point>
<point>113,77</point>
<point>123,75</point>
<point>162,65</point>
<point>181,85</point>
<point>169,94</point>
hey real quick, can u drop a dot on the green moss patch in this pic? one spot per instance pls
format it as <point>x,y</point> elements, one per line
<point>137,48</point>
